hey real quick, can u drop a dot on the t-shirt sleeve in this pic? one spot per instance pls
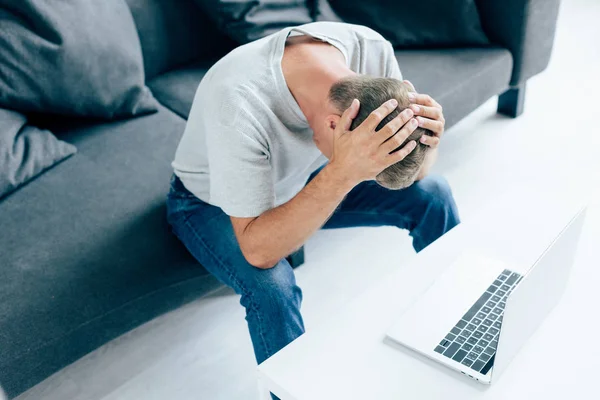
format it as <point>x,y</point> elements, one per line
<point>392,69</point>
<point>241,179</point>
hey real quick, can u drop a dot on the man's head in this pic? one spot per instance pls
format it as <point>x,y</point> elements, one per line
<point>372,93</point>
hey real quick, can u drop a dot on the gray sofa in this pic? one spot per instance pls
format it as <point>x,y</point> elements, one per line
<point>85,252</point>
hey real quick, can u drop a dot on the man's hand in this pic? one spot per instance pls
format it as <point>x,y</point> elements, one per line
<point>362,154</point>
<point>429,114</point>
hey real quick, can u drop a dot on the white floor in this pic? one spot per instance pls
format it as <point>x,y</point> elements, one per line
<point>202,351</point>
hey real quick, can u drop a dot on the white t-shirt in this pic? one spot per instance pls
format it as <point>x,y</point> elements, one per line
<point>247,146</point>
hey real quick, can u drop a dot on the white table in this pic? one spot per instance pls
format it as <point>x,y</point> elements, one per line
<point>347,357</point>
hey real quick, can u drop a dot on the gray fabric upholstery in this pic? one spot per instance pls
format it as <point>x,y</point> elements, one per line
<point>86,251</point>
<point>459,79</point>
<point>417,24</point>
<point>26,151</point>
<point>526,28</point>
<point>175,35</point>
<point>324,12</point>
<point>71,57</point>
<point>248,20</point>
<point>176,89</point>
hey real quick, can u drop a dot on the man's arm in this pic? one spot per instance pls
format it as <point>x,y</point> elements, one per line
<point>357,157</point>
<point>276,233</point>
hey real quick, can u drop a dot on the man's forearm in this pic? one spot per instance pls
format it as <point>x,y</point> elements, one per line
<point>282,230</point>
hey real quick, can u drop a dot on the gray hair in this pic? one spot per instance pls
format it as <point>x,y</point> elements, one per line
<point>372,93</point>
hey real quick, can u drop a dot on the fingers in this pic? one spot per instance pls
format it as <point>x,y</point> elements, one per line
<point>396,141</point>
<point>379,114</point>
<point>437,127</point>
<point>431,141</point>
<point>349,114</point>
<point>394,125</point>
<point>401,154</point>
<point>428,112</point>
<point>423,99</point>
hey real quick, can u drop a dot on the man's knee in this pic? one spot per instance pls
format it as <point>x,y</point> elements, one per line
<point>274,287</point>
<point>434,188</point>
<point>438,211</point>
<point>436,200</point>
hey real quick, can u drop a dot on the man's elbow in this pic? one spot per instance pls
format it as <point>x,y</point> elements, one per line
<point>253,252</point>
<point>258,260</point>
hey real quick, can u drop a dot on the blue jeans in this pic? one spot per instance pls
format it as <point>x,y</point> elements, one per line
<point>271,297</point>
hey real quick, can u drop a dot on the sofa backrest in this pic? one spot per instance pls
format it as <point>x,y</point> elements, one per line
<point>173,33</point>
<point>526,28</point>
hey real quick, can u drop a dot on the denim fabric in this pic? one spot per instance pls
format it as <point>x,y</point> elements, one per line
<point>271,297</point>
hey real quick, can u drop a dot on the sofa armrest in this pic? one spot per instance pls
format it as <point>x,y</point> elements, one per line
<point>526,28</point>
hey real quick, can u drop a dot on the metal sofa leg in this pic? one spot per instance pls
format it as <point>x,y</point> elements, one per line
<point>511,102</point>
<point>296,259</point>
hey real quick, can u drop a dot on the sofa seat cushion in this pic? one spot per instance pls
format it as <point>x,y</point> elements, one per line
<point>459,79</point>
<point>176,89</point>
<point>87,254</point>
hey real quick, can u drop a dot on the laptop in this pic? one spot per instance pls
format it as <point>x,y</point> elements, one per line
<point>481,311</point>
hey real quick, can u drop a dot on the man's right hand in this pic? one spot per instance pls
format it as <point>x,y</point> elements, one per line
<point>363,153</point>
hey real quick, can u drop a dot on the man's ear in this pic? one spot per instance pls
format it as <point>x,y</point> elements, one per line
<point>332,121</point>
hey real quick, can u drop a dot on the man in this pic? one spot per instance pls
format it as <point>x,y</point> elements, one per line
<point>265,118</point>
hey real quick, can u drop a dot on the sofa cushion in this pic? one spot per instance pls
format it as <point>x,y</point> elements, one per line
<point>176,89</point>
<point>26,151</point>
<point>174,33</point>
<point>71,57</point>
<point>459,79</point>
<point>86,251</point>
<point>248,20</point>
<point>420,24</point>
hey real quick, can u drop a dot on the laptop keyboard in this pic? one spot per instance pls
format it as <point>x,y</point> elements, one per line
<point>474,339</point>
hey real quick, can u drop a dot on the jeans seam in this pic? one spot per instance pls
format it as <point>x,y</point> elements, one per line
<point>253,304</point>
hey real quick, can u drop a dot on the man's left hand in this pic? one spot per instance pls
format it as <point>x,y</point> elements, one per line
<point>430,116</point>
